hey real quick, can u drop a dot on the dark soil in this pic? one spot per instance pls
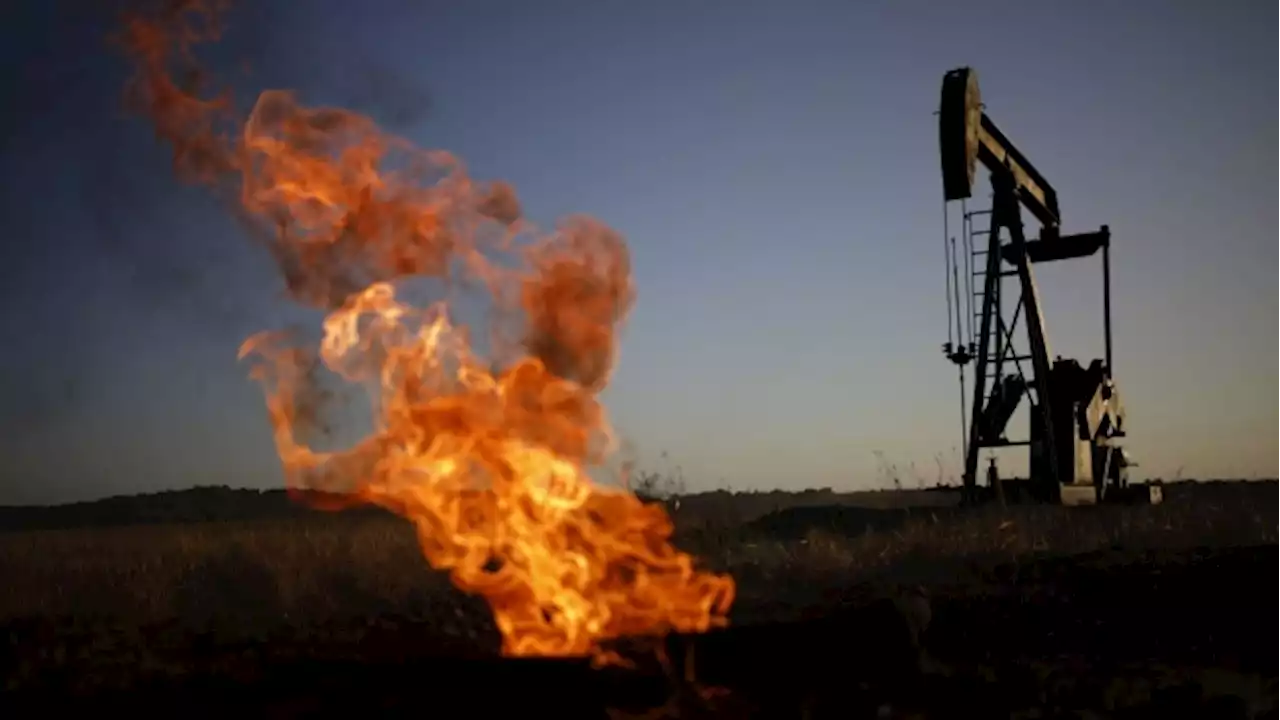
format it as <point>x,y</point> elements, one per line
<point>1109,634</point>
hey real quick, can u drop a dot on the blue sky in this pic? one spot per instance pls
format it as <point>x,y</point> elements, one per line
<point>774,168</point>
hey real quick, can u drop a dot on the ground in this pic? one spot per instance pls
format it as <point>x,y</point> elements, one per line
<point>1127,611</point>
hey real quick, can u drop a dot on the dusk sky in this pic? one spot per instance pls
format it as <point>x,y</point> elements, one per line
<point>774,168</point>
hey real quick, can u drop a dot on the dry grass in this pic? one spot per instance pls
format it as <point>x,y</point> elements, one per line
<point>120,608</point>
<point>113,607</point>
<point>296,570</point>
<point>251,576</point>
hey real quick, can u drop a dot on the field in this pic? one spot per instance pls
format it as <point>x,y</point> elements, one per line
<point>892,604</point>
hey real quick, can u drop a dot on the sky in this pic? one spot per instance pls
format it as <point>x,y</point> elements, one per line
<point>774,168</point>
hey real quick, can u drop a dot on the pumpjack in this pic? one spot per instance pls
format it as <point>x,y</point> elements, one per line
<point>1076,416</point>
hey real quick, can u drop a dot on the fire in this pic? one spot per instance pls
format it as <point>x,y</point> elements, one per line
<point>487,450</point>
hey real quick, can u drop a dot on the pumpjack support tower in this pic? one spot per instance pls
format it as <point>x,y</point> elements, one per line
<point>1075,411</point>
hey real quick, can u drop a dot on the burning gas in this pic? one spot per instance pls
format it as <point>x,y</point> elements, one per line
<point>487,453</point>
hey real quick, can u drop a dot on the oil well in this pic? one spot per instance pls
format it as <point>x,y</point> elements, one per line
<point>997,338</point>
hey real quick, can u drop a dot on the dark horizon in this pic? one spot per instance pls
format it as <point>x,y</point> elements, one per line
<point>774,170</point>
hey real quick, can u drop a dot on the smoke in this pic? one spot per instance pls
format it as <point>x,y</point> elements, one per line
<point>183,277</point>
<point>375,88</point>
<point>89,233</point>
<point>358,80</point>
<point>190,278</point>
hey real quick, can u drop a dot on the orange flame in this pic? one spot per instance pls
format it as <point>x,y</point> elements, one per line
<point>488,456</point>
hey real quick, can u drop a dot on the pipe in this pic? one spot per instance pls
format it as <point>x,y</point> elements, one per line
<point>1106,295</point>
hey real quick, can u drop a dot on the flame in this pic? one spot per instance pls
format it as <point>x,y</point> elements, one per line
<point>487,453</point>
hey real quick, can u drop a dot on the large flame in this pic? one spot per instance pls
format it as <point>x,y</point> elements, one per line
<point>487,453</point>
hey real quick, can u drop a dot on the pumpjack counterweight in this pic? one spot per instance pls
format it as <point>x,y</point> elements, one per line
<point>1076,417</point>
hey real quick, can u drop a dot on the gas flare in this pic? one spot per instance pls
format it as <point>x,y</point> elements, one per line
<point>486,452</point>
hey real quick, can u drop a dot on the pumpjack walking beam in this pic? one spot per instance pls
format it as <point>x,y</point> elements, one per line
<point>1059,456</point>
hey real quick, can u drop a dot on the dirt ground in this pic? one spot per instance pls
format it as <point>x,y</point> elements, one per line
<point>1027,612</point>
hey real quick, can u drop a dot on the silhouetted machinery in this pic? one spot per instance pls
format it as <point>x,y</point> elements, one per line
<point>1075,411</point>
